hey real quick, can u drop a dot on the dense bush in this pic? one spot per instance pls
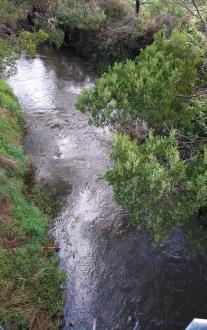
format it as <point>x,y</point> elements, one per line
<point>161,182</point>
<point>73,14</point>
<point>147,88</point>
<point>69,17</point>
<point>159,189</point>
<point>10,13</point>
<point>116,10</point>
<point>183,13</point>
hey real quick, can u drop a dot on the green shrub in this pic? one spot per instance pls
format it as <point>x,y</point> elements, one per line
<point>73,14</point>
<point>56,38</point>
<point>160,190</point>
<point>148,87</point>
<point>117,9</point>
<point>13,45</point>
<point>10,13</point>
<point>30,41</point>
<point>162,182</point>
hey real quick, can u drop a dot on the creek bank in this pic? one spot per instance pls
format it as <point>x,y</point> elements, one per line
<point>109,44</point>
<point>30,280</point>
<point>103,33</point>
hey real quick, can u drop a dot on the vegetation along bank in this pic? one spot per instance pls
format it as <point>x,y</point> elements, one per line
<point>30,294</point>
<point>154,98</point>
<point>157,105</point>
<point>30,281</point>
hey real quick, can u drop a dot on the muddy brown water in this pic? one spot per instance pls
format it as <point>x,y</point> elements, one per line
<point>115,278</point>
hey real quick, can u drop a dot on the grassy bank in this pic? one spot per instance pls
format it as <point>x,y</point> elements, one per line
<point>30,294</point>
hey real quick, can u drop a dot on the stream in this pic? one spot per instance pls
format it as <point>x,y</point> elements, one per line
<point>116,279</point>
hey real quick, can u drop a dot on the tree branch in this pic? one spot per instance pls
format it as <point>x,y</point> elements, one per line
<point>200,16</point>
<point>190,96</point>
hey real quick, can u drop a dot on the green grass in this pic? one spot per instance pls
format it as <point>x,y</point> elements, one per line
<point>30,294</point>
